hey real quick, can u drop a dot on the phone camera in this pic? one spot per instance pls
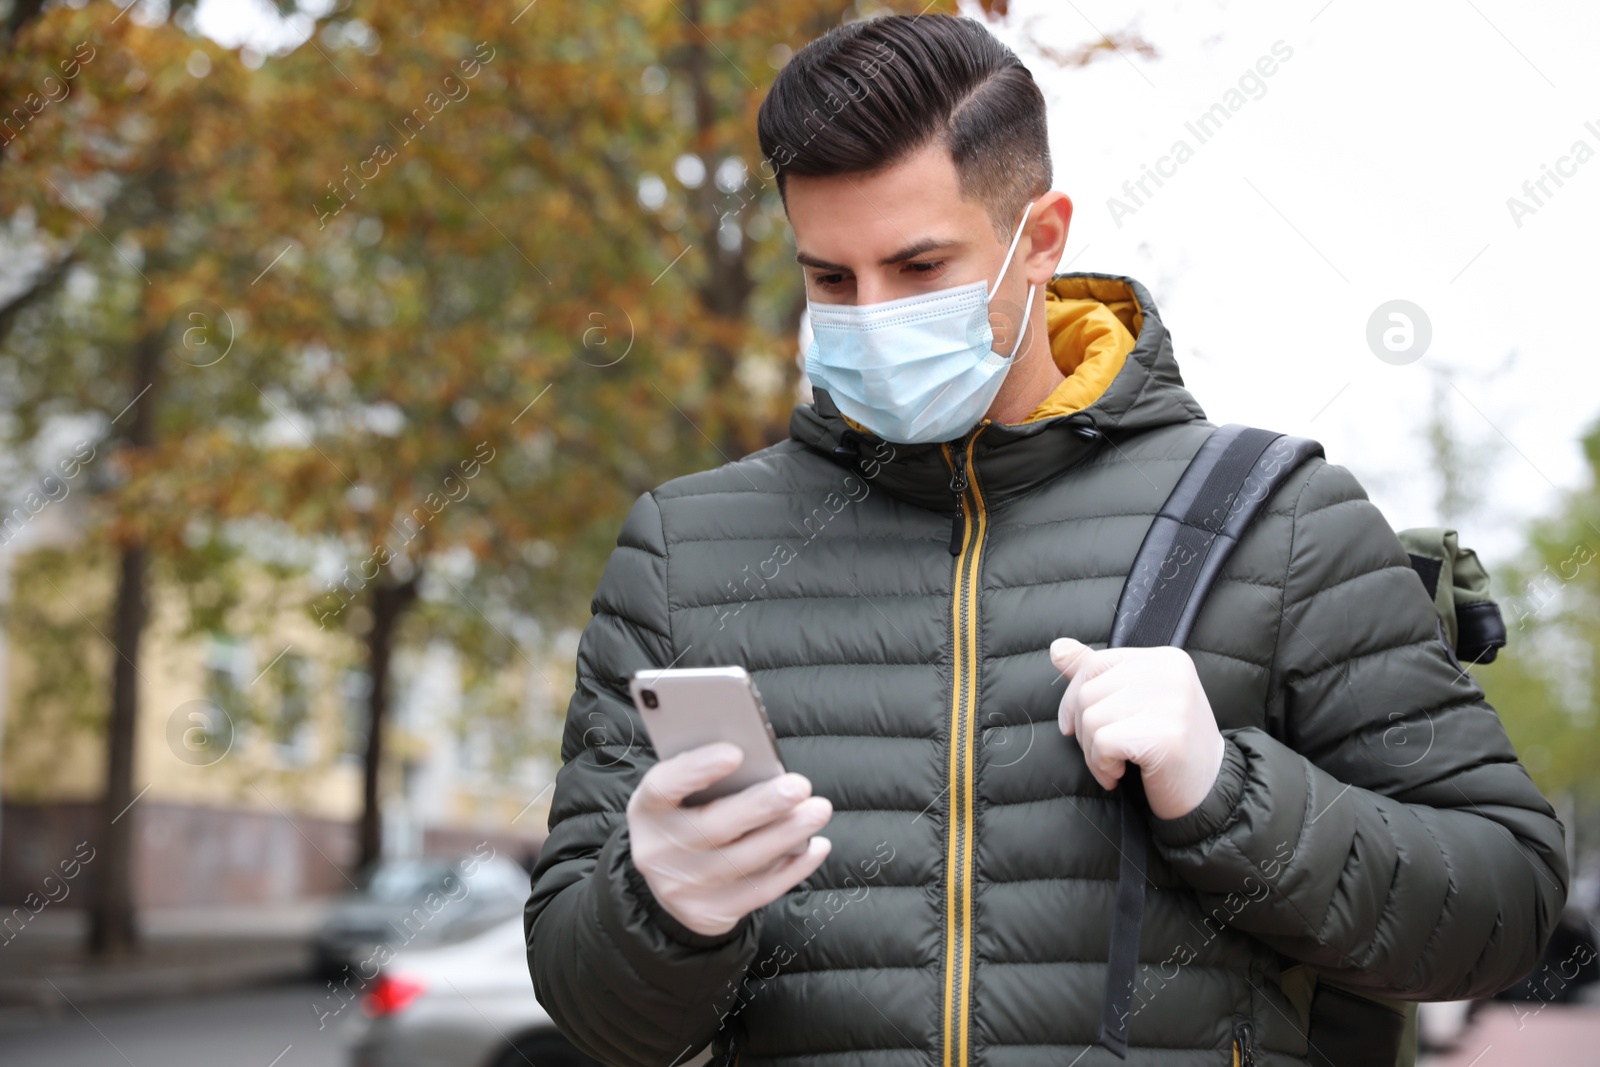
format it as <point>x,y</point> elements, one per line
<point>649,698</point>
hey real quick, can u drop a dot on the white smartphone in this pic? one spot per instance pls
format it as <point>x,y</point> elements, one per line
<point>686,707</point>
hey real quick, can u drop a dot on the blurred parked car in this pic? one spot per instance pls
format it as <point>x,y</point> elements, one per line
<point>416,903</point>
<point>464,1005</point>
<point>1571,961</point>
<point>1441,1024</point>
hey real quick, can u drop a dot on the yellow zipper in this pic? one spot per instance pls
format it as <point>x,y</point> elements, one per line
<point>963,694</point>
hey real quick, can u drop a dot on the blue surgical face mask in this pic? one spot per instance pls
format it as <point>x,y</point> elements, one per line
<point>918,369</point>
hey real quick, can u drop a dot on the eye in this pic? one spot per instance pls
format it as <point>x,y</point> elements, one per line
<point>828,282</point>
<point>927,268</point>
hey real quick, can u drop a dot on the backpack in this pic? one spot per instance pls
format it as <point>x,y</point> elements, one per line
<point>1225,485</point>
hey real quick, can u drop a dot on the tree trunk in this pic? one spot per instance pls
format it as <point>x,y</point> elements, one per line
<point>22,13</point>
<point>389,604</point>
<point>726,286</point>
<point>112,929</point>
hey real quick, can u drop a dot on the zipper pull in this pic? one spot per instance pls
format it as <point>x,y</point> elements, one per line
<point>958,486</point>
<point>849,446</point>
<point>1244,1039</point>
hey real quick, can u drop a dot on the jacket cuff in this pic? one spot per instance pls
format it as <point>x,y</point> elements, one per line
<point>637,906</point>
<point>1215,812</point>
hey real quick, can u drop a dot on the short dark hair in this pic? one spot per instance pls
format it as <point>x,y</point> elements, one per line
<point>866,94</point>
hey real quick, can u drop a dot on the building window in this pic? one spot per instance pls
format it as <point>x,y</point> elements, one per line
<point>227,675</point>
<point>357,688</point>
<point>291,726</point>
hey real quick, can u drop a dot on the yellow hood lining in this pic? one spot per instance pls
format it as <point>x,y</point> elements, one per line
<point>1093,324</point>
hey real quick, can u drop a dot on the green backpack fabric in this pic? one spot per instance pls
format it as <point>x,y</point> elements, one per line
<point>1459,585</point>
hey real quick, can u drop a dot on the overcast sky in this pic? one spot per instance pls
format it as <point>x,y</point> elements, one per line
<point>1374,163</point>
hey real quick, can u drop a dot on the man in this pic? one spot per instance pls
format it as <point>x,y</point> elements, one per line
<point>922,582</point>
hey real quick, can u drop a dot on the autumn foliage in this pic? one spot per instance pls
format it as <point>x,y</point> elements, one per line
<point>447,282</point>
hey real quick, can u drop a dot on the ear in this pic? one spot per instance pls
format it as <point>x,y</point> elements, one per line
<point>1047,236</point>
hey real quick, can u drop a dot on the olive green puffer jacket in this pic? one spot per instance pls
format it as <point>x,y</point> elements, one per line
<point>1370,823</point>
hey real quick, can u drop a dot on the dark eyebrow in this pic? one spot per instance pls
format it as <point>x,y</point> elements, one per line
<point>917,248</point>
<point>911,251</point>
<point>807,260</point>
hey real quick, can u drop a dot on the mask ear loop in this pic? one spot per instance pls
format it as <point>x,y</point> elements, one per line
<point>1016,240</point>
<point>1026,321</point>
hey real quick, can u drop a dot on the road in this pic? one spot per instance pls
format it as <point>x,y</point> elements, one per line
<point>273,1027</point>
<point>277,1027</point>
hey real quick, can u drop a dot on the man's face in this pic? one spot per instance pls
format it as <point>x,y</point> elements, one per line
<point>905,231</point>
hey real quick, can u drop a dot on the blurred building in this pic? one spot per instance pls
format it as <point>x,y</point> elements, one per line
<point>249,757</point>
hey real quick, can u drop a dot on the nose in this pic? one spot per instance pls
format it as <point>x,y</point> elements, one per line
<point>870,290</point>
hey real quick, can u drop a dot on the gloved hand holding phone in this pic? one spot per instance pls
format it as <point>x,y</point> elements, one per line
<point>709,865</point>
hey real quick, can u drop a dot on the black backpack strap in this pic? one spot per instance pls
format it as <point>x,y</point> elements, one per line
<point>1225,485</point>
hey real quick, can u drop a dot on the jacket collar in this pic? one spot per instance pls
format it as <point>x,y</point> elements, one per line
<point>1111,392</point>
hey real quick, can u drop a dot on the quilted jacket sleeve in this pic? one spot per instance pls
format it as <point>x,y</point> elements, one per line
<point>622,979</point>
<point>1387,834</point>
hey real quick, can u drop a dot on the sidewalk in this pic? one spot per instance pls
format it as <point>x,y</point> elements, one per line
<point>1520,1034</point>
<point>44,970</point>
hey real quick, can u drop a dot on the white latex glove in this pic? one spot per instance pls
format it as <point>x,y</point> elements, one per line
<point>1144,705</point>
<point>710,865</point>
